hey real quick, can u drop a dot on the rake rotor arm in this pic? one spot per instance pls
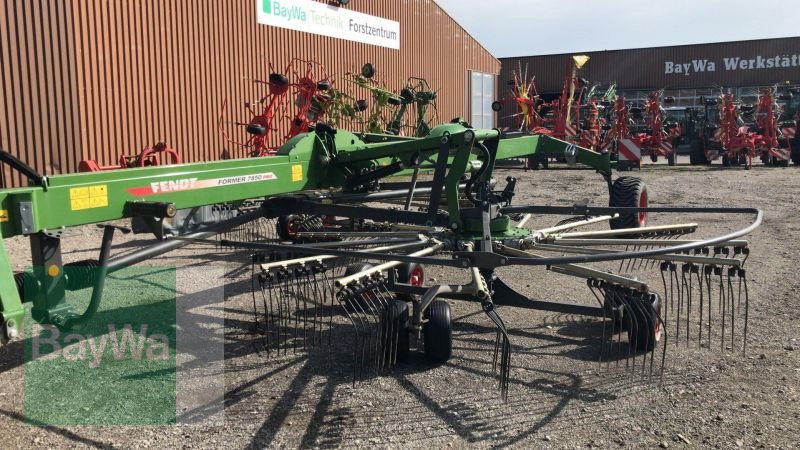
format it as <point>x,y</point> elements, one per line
<point>540,144</point>
<point>692,245</point>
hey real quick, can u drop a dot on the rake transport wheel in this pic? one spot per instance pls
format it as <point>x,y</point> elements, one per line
<point>438,332</point>
<point>644,328</point>
<point>288,227</point>
<point>395,328</point>
<point>411,273</point>
<point>629,192</point>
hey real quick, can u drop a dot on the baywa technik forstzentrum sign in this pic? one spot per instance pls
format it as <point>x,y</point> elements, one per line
<point>326,20</point>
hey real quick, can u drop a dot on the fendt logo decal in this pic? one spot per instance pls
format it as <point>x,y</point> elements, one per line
<point>190,184</point>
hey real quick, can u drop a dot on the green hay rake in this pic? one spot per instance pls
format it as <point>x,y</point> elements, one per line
<point>333,235</point>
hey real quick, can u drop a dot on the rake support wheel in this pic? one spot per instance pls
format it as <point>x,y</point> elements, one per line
<point>438,332</point>
<point>629,192</point>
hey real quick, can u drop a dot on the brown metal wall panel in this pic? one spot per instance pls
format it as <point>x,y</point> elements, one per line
<point>95,79</point>
<point>645,68</point>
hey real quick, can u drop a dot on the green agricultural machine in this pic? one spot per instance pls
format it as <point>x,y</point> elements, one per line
<point>344,225</point>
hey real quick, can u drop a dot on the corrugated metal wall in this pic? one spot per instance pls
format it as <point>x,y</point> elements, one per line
<point>94,79</point>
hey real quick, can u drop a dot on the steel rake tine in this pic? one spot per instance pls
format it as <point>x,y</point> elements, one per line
<point>622,262</point>
<point>296,295</point>
<point>723,302</point>
<point>306,286</point>
<point>374,335</point>
<point>505,357</point>
<point>364,344</point>
<point>700,288</point>
<point>380,314</point>
<point>328,288</point>
<point>253,290</point>
<point>743,280</point>
<point>687,296</point>
<point>708,271</point>
<point>591,284</point>
<point>384,329</point>
<point>731,272</point>
<point>634,322</point>
<point>666,308</point>
<point>637,304</point>
<point>394,331</point>
<point>342,297</point>
<point>619,300</point>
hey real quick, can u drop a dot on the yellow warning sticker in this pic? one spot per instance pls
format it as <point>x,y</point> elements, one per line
<point>297,172</point>
<point>88,197</point>
<point>3,215</point>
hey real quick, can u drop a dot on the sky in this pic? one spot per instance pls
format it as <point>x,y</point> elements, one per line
<point>540,27</point>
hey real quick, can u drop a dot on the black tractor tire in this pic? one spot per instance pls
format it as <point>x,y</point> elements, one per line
<point>726,162</point>
<point>438,332</point>
<point>796,152</point>
<point>671,158</point>
<point>780,162</point>
<point>395,330</point>
<point>628,192</point>
<point>644,332</point>
<point>653,157</point>
<point>697,154</point>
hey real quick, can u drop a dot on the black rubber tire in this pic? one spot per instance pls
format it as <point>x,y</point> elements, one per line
<point>355,268</point>
<point>626,192</point>
<point>438,332</point>
<point>726,161</point>
<point>645,333</point>
<point>404,272</point>
<point>283,226</point>
<point>653,157</point>
<point>671,159</point>
<point>697,154</point>
<point>396,322</point>
<point>796,152</point>
<point>278,79</point>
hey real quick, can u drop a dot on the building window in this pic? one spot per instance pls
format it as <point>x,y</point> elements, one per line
<point>482,95</point>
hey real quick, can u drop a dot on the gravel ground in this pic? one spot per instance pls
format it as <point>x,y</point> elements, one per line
<point>560,397</point>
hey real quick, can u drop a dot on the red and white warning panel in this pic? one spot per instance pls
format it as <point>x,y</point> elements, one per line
<point>782,154</point>
<point>627,150</point>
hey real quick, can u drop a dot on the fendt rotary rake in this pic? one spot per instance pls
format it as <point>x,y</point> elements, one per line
<point>331,238</point>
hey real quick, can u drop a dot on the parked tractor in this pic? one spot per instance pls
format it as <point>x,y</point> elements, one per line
<point>788,122</point>
<point>641,131</point>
